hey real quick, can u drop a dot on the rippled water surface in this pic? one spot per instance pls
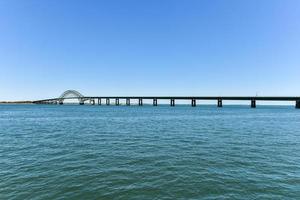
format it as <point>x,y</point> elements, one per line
<point>109,152</point>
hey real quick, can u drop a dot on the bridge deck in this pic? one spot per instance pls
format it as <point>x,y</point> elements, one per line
<point>73,94</point>
<point>172,99</point>
<point>260,98</point>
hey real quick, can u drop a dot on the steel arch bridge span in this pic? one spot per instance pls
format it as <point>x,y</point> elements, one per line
<point>71,94</point>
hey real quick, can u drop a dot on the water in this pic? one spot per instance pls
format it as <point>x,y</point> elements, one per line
<point>109,152</point>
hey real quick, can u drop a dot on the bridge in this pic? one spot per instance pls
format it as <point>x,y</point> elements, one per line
<point>72,94</point>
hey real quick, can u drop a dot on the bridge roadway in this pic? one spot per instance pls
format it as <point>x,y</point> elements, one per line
<point>172,99</point>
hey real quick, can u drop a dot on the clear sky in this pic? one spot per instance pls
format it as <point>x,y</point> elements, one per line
<point>153,47</point>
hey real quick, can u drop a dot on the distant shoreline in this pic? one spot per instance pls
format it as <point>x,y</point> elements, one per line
<point>16,102</point>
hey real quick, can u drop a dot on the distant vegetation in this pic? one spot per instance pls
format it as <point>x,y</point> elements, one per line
<point>16,102</point>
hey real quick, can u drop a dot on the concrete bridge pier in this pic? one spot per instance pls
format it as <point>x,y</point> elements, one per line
<point>107,101</point>
<point>81,101</point>
<point>117,101</point>
<point>193,102</point>
<point>172,102</point>
<point>140,101</point>
<point>92,101</point>
<point>99,101</point>
<point>220,103</point>
<point>127,102</point>
<point>298,104</point>
<point>253,103</point>
<point>154,102</point>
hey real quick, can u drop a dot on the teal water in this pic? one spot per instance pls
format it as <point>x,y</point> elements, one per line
<point>109,152</point>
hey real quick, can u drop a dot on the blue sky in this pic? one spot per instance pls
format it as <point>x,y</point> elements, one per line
<point>133,47</point>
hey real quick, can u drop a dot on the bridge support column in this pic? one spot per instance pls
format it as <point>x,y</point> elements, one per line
<point>61,102</point>
<point>99,101</point>
<point>107,101</point>
<point>92,101</point>
<point>81,101</point>
<point>154,102</point>
<point>172,102</point>
<point>127,102</point>
<point>220,103</point>
<point>140,101</point>
<point>117,101</point>
<point>253,103</point>
<point>298,104</point>
<point>193,102</point>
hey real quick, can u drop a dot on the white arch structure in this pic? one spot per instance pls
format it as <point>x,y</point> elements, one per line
<point>71,94</point>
